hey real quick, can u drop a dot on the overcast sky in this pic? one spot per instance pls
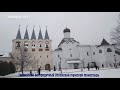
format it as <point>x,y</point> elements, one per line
<point>89,28</point>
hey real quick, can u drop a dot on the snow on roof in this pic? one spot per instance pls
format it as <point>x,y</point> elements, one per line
<point>4,55</point>
<point>58,49</point>
<point>67,40</point>
<point>74,61</point>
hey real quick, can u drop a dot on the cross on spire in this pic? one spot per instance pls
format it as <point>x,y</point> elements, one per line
<point>19,27</point>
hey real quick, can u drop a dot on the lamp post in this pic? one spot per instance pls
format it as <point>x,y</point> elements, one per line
<point>37,65</point>
<point>82,65</point>
<point>115,61</point>
<point>60,66</point>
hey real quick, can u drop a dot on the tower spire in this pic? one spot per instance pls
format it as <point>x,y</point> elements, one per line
<point>40,34</point>
<point>104,42</point>
<point>18,34</point>
<point>46,34</point>
<point>33,34</point>
<point>26,34</point>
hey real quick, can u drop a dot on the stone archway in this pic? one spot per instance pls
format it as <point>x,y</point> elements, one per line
<point>47,67</point>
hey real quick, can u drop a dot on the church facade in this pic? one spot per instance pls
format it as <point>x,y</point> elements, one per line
<point>37,50</point>
<point>70,54</point>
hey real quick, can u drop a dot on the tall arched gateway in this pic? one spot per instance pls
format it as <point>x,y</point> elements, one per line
<point>47,67</point>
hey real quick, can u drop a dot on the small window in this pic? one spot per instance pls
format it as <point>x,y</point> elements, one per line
<point>33,44</point>
<point>47,46</point>
<point>47,56</point>
<point>102,65</point>
<point>26,44</point>
<point>70,55</point>
<point>70,48</point>
<point>87,54</point>
<point>25,50</point>
<point>93,53</point>
<point>100,51</point>
<point>40,56</point>
<point>47,49</point>
<point>17,44</point>
<point>58,56</point>
<point>33,49</point>
<point>109,50</point>
<point>40,45</point>
<point>40,49</point>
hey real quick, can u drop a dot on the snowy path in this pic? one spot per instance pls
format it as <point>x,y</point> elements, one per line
<point>103,73</point>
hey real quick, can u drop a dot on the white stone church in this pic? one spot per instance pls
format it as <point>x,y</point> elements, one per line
<point>70,54</point>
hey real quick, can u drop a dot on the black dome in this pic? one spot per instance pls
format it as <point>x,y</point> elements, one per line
<point>66,30</point>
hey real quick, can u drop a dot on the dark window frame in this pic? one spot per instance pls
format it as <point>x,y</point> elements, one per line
<point>87,53</point>
<point>109,50</point>
<point>100,51</point>
<point>33,49</point>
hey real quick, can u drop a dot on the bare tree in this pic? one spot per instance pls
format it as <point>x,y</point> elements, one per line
<point>23,58</point>
<point>115,34</point>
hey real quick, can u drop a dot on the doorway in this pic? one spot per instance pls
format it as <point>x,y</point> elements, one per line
<point>76,65</point>
<point>47,67</point>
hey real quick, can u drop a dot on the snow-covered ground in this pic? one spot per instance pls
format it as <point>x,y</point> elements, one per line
<point>72,73</point>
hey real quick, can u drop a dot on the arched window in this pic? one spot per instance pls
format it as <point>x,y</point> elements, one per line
<point>93,53</point>
<point>87,54</point>
<point>40,45</point>
<point>100,51</point>
<point>17,44</point>
<point>46,46</point>
<point>70,55</point>
<point>33,44</point>
<point>26,44</point>
<point>109,50</point>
